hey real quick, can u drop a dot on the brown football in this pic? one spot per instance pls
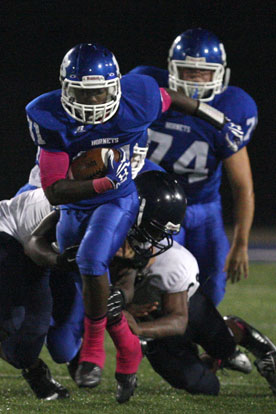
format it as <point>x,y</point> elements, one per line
<point>91,164</point>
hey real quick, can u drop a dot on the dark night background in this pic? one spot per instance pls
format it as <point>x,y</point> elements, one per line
<point>35,35</point>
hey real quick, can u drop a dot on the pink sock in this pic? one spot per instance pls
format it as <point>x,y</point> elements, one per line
<point>92,349</point>
<point>129,353</point>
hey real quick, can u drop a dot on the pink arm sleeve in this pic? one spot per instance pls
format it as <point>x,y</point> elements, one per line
<point>166,99</point>
<point>53,167</point>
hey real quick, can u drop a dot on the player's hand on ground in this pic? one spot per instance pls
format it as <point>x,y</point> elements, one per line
<point>236,265</point>
<point>139,311</point>
<point>233,134</point>
<point>118,172</point>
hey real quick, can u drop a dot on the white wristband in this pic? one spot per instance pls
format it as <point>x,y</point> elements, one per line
<point>211,115</point>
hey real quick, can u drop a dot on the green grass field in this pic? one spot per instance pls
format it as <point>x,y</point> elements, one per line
<point>253,299</point>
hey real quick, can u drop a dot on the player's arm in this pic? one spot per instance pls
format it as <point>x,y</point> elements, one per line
<point>60,190</point>
<point>240,177</point>
<point>174,322</point>
<point>39,246</point>
<point>182,103</point>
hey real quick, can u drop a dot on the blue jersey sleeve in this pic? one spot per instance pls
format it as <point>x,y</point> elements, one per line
<point>44,123</point>
<point>160,75</point>
<point>241,109</point>
<point>141,101</point>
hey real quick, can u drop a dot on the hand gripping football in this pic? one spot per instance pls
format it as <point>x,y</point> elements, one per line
<point>91,164</point>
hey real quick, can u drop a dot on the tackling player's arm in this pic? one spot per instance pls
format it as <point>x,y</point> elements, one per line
<point>240,177</point>
<point>174,321</point>
<point>39,246</point>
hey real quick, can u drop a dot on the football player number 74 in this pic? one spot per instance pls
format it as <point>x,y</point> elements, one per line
<point>197,151</point>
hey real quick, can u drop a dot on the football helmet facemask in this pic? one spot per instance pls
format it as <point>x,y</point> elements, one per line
<point>162,209</point>
<point>90,80</point>
<point>198,49</point>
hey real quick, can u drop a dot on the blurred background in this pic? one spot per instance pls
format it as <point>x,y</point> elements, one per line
<point>35,35</point>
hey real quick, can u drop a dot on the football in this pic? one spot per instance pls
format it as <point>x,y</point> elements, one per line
<point>91,164</point>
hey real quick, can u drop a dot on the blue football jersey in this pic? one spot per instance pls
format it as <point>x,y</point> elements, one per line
<point>52,129</point>
<point>191,147</point>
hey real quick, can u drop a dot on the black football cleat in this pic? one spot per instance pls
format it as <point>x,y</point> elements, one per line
<point>238,361</point>
<point>88,375</point>
<point>126,384</point>
<point>267,368</point>
<point>255,342</point>
<point>43,384</point>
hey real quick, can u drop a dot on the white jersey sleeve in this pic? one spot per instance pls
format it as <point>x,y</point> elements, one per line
<point>34,177</point>
<point>20,215</point>
<point>178,270</point>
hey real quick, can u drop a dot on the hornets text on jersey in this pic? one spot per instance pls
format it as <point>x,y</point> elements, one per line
<point>191,147</point>
<point>52,129</point>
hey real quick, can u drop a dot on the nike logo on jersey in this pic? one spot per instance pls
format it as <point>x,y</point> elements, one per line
<point>178,127</point>
<point>101,141</point>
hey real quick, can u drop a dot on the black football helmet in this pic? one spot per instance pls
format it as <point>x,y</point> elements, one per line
<point>162,209</point>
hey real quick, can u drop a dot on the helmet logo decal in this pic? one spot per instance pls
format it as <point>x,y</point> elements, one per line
<point>116,64</point>
<point>141,211</point>
<point>93,78</point>
<point>195,59</point>
<point>223,54</point>
<point>65,63</point>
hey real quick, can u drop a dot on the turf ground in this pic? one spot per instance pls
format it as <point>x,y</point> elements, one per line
<point>253,299</point>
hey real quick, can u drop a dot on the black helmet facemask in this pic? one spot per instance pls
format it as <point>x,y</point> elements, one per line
<point>145,244</point>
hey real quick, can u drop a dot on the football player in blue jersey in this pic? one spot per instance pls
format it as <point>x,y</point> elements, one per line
<point>95,108</point>
<point>193,150</point>
<point>65,334</point>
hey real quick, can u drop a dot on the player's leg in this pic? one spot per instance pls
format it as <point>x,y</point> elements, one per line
<point>107,226</point>
<point>258,344</point>
<point>176,360</point>
<point>23,314</point>
<point>207,328</point>
<point>119,216</point>
<point>128,357</point>
<point>37,319</point>
<point>12,260</point>
<point>71,230</point>
<point>24,346</point>
<point>206,239</point>
<point>66,329</point>
<point>267,368</point>
<point>249,337</point>
<point>25,304</point>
